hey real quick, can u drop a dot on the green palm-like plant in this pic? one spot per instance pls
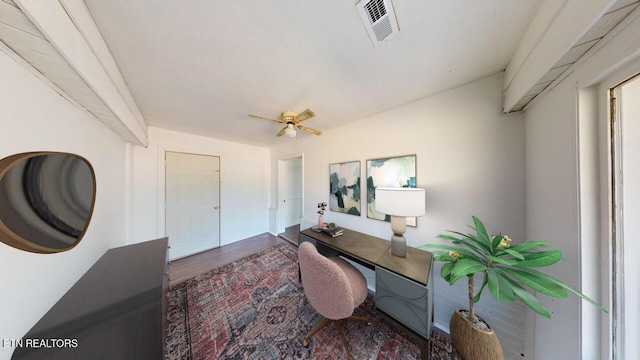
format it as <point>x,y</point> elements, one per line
<point>508,269</point>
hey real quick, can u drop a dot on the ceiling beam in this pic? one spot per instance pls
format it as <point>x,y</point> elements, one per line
<point>551,34</point>
<point>69,27</point>
<point>619,48</point>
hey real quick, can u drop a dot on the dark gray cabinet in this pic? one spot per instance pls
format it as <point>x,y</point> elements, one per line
<point>117,310</point>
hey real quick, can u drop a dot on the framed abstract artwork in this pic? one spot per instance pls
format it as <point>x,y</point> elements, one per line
<point>344,188</point>
<point>397,171</point>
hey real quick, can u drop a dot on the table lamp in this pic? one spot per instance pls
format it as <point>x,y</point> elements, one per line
<point>399,203</point>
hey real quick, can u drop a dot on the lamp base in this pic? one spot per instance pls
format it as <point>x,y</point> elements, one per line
<point>398,245</point>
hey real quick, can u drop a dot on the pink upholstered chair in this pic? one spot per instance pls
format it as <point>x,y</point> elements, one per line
<point>333,287</point>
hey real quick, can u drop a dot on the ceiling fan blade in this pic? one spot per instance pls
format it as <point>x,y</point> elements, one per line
<point>307,114</point>
<point>267,118</point>
<point>281,132</point>
<point>310,130</point>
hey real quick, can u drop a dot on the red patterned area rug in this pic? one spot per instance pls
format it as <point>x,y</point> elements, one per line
<point>255,308</point>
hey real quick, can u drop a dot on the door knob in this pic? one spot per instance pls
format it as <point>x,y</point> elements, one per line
<point>216,207</point>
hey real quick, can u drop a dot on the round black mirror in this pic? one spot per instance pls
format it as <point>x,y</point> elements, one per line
<point>46,200</point>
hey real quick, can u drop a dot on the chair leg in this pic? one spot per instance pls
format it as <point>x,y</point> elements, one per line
<point>344,339</point>
<point>324,323</point>
<point>359,318</point>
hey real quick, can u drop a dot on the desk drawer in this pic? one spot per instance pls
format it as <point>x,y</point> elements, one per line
<point>406,301</point>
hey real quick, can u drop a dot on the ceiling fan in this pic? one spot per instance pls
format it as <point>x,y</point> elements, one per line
<point>292,121</point>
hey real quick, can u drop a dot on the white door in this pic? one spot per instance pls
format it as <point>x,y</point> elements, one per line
<point>192,196</point>
<point>291,191</point>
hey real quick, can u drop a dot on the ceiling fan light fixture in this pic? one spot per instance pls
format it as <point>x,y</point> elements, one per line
<point>292,121</point>
<point>290,131</point>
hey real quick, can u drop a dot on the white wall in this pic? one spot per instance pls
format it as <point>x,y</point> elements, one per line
<point>552,211</point>
<point>34,117</point>
<point>470,160</point>
<point>244,184</point>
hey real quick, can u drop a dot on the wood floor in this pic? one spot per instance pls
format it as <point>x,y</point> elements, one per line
<point>291,234</point>
<point>188,267</point>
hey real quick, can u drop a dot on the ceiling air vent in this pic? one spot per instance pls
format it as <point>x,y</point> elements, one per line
<point>379,19</point>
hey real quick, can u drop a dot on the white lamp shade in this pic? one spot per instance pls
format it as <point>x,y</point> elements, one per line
<point>400,201</point>
<point>290,131</point>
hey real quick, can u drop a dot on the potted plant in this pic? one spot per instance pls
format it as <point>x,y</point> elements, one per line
<point>508,273</point>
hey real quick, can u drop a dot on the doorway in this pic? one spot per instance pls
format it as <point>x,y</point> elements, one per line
<point>290,197</point>
<point>625,195</point>
<point>192,203</point>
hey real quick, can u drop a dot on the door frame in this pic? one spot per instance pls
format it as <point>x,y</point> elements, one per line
<point>280,179</point>
<point>612,344</point>
<point>620,299</point>
<point>162,150</point>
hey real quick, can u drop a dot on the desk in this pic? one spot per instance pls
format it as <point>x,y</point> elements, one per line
<point>404,286</point>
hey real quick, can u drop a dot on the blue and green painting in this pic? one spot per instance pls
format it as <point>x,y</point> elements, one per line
<point>344,187</point>
<point>389,172</point>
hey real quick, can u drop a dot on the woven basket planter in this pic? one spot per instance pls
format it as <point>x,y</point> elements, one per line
<point>471,342</point>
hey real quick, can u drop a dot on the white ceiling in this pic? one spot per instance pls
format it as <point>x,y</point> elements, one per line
<point>200,66</point>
